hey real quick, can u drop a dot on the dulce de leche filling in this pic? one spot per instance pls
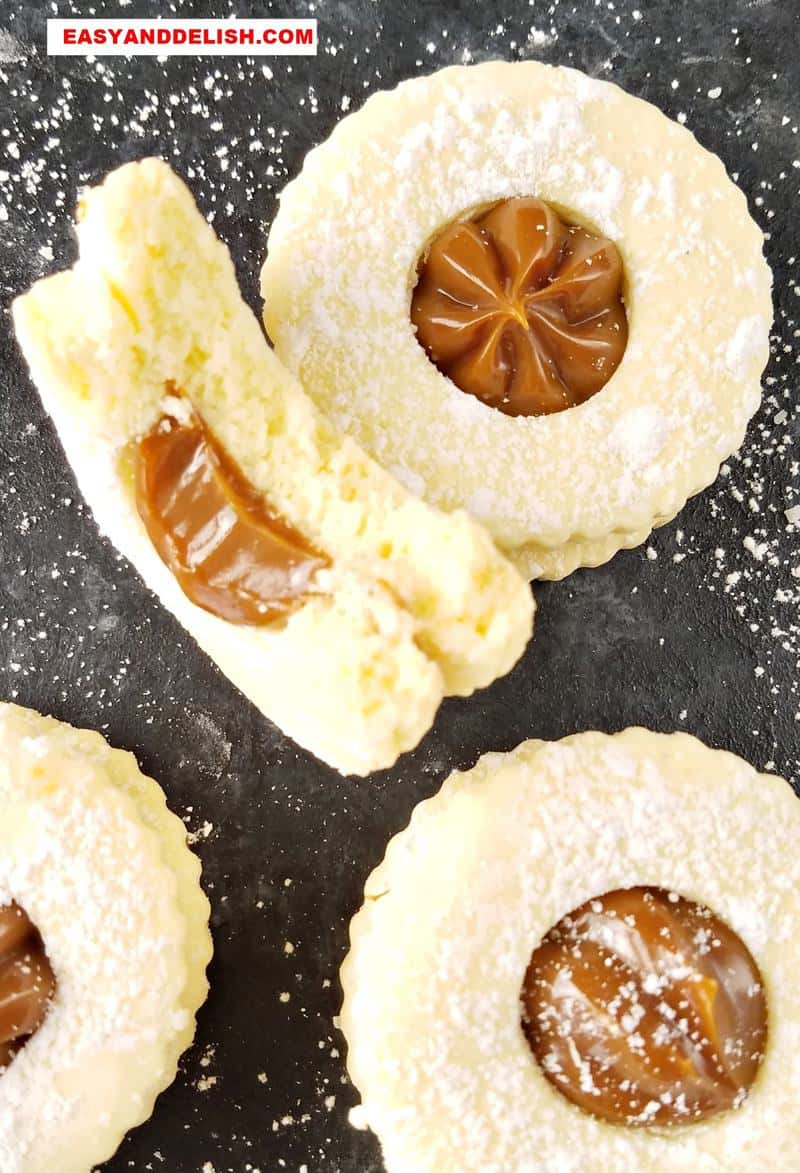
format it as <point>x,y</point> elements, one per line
<point>521,309</point>
<point>231,552</point>
<point>645,1009</point>
<point>27,982</point>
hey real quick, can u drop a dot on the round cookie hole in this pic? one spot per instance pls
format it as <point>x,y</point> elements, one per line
<point>522,306</point>
<point>27,982</point>
<point>645,1009</point>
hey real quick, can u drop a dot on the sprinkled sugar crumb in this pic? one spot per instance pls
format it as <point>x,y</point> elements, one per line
<point>207,1080</point>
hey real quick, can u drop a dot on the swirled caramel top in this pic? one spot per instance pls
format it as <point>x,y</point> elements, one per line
<point>645,1009</point>
<point>521,309</point>
<point>230,550</point>
<point>26,981</point>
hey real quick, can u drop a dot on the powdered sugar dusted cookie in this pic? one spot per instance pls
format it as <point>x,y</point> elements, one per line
<point>583,955</point>
<point>528,294</point>
<point>104,944</point>
<point>342,605</point>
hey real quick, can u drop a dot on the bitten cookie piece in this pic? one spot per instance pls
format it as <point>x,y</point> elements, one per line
<point>104,944</point>
<point>341,605</point>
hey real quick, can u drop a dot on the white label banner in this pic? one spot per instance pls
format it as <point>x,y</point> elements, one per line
<point>181,38</point>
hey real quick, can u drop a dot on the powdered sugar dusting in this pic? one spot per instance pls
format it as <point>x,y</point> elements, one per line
<point>745,343</point>
<point>640,435</point>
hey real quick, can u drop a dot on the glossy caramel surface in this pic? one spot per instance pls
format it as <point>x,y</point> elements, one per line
<point>27,982</point>
<point>645,1009</point>
<point>521,309</point>
<point>231,552</point>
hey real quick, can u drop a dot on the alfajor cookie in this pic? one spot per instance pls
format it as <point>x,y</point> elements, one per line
<point>529,295</point>
<point>583,955</point>
<point>104,944</point>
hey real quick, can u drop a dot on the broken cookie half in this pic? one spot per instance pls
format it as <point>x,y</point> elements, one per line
<point>341,605</point>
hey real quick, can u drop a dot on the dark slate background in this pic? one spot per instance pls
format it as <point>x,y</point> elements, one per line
<point>699,633</point>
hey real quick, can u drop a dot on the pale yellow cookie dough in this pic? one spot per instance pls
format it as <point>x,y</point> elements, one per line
<point>415,605</point>
<point>450,918</point>
<point>89,849</point>
<point>556,491</point>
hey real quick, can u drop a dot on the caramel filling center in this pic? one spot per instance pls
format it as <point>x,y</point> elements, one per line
<point>645,1009</point>
<point>27,982</point>
<point>521,309</point>
<point>231,552</point>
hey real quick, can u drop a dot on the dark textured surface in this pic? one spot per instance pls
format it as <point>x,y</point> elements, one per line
<point>671,640</point>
